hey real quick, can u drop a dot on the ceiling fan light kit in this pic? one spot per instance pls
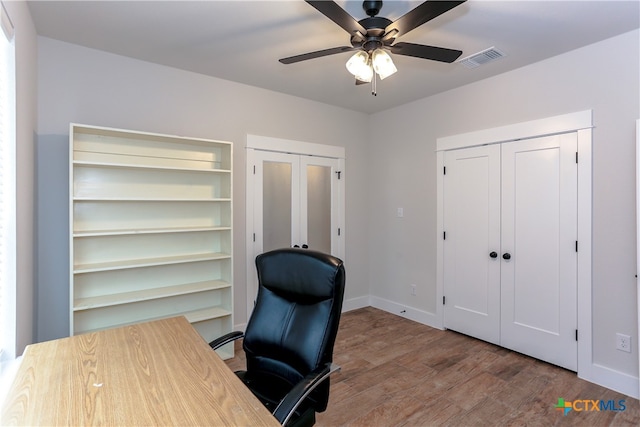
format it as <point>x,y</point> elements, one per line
<point>360,66</point>
<point>382,63</point>
<point>363,64</point>
<point>374,35</point>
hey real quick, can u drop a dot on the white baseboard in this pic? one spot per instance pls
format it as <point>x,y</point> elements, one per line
<point>614,380</point>
<point>598,374</point>
<point>601,375</point>
<point>240,327</point>
<point>420,316</point>
<point>355,303</point>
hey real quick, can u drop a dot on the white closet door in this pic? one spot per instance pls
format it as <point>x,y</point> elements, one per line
<point>472,242</point>
<point>277,202</point>
<point>319,198</point>
<point>539,229</point>
<point>297,201</point>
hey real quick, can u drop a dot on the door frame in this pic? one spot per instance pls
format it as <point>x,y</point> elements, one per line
<point>580,122</point>
<point>280,145</point>
<point>638,233</point>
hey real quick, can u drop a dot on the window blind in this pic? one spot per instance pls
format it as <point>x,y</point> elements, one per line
<point>7,190</point>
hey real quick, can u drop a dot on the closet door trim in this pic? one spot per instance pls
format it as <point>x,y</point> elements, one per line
<point>531,129</point>
<point>580,122</point>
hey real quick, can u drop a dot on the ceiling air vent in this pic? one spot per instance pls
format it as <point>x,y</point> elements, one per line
<point>482,57</point>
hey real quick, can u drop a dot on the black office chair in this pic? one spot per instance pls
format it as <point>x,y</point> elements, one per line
<point>290,336</point>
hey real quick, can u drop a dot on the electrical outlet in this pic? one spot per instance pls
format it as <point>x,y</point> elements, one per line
<point>413,289</point>
<point>623,342</point>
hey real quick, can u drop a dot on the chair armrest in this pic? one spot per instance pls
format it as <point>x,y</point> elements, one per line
<point>226,339</point>
<point>294,398</point>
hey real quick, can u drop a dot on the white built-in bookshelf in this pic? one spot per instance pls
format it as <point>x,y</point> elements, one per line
<point>151,230</point>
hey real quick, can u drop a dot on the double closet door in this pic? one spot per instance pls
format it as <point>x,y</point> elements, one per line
<point>295,202</point>
<point>510,248</point>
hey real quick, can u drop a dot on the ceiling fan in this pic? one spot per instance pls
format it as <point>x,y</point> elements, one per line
<point>374,35</point>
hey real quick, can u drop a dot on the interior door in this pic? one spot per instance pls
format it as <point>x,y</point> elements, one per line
<point>276,200</point>
<point>510,260</point>
<point>296,203</point>
<point>319,197</point>
<point>539,238</point>
<point>472,242</point>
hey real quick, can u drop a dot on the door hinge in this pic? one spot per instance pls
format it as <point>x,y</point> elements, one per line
<point>443,299</point>
<point>576,335</point>
<point>576,246</point>
<point>339,173</point>
<point>254,169</point>
<point>576,157</point>
<point>254,237</point>
<point>444,170</point>
<point>444,235</point>
<point>338,231</point>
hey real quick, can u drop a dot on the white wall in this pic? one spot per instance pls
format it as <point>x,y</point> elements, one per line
<point>603,77</point>
<point>92,87</point>
<point>26,108</point>
<point>391,166</point>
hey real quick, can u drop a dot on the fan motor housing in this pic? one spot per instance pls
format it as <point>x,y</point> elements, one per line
<point>375,23</point>
<point>372,7</point>
<point>375,26</point>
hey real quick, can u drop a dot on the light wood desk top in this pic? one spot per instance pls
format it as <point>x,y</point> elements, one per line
<point>160,373</point>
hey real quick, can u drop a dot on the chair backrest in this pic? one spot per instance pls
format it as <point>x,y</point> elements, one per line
<point>294,323</point>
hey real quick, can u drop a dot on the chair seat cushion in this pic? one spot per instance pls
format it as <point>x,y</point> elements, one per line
<point>270,389</point>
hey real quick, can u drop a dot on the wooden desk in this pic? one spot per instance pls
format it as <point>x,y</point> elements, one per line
<point>159,373</point>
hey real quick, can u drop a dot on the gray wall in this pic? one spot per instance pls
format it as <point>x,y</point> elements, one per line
<point>603,77</point>
<point>26,110</point>
<point>52,163</point>
<point>383,254</point>
<point>87,86</point>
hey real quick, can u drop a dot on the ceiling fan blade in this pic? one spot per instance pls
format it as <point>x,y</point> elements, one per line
<point>317,54</point>
<point>426,52</point>
<point>338,15</point>
<point>421,14</point>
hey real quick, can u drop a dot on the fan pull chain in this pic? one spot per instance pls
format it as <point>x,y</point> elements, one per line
<point>374,85</point>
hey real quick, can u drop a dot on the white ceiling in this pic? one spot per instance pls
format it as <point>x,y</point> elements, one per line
<point>242,41</point>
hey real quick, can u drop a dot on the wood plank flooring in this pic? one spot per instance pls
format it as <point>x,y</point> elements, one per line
<point>396,372</point>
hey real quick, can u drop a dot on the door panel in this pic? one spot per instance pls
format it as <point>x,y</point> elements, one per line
<point>517,200</point>
<point>276,200</point>
<point>539,229</point>
<point>472,227</point>
<point>277,204</point>
<point>318,206</point>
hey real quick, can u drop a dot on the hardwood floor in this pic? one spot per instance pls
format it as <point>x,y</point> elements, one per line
<point>396,372</point>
